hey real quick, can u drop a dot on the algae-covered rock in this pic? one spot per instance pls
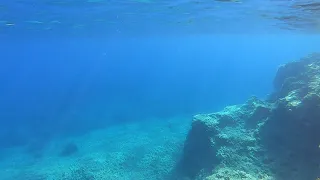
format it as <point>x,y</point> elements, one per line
<point>224,139</point>
<point>291,136</point>
<point>300,76</point>
<point>274,139</point>
<point>199,150</point>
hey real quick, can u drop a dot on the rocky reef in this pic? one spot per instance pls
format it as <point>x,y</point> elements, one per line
<point>277,138</point>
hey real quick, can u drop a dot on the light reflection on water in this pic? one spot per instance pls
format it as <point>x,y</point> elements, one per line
<point>142,16</point>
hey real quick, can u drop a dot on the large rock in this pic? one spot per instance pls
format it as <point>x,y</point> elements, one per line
<point>291,136</point>
<point>274,139</point>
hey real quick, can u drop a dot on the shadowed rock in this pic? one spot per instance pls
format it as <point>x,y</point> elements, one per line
<point>68,150</point>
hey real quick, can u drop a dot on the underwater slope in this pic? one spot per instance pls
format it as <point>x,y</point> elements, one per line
<point>274,139</point>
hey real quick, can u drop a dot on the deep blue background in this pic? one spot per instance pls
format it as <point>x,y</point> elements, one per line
<point>66,86</point>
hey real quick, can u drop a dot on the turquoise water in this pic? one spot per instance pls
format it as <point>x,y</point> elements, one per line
<point>107,89</point>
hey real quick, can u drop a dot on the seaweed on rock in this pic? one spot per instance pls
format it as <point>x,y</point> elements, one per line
<point>274,139</point>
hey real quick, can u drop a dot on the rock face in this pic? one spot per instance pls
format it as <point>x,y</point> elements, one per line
<point>274,139</point>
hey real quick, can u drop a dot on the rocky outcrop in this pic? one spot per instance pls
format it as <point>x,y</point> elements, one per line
<point>291,136</point>
<point>274,139</point>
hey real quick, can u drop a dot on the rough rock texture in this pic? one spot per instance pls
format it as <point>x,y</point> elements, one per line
<point>291,136</point>
<point>274,139</point>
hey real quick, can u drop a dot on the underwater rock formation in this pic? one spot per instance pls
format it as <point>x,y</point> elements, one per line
<point>274,139</point>
<point>69,149</point>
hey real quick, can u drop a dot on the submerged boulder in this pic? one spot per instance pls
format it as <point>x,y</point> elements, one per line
<point>69,149</point>
<point>291,136</point>
<point>230,141</point>
<point>274,139</point>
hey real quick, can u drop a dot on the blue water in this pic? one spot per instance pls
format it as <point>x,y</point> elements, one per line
<point>59,85</point>
<point>68,68</point>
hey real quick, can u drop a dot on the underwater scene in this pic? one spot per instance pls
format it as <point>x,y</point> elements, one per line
<point>159,90</point>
